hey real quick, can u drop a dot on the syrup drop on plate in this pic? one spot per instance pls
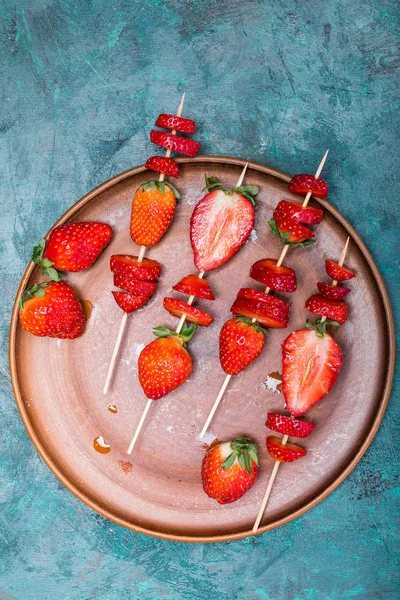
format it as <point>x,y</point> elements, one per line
<point>87,308</point>
<point>112,408</point>
<point>125,465</point>
<point>100,445</point>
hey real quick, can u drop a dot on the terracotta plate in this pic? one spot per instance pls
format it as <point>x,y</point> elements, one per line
<point>58,383</point>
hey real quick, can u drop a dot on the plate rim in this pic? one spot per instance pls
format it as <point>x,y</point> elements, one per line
<point>57,469</point>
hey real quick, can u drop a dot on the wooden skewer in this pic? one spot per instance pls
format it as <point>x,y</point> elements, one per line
<point>286,437</point>
<point>142,251</point>
<point>267,290</point>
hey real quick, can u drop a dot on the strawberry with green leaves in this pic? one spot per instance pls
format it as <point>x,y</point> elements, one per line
<point>288,223</point>
<point>240,342</point>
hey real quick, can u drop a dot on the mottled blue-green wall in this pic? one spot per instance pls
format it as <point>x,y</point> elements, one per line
<point>273,81</point>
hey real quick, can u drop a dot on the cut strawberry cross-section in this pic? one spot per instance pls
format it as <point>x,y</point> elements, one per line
<point>266,310</point>
<point>163,164</point>
<point>332,292</point>
<point>304,183</point>
<point>176,143</point>
<point>287,219</point>
<point>281,279</point>
<point>337,310</point>
<point>146,270</point>
<point>129,302</point>
<point>193,285</point>
<point>337,272</point>
<point>289,425</point>
<point>284,452</point>
<point>136,287</point>
<point>192,314</point>
<point>176,123</point>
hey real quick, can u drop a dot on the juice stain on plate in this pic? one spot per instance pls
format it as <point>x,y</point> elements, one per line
<point>87,308</point>
<point>273,382</point>
<point>100,445</point>
<point>125,465</point>
<point>112,408</point>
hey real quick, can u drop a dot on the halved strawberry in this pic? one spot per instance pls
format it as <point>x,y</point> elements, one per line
<point>304,183</point>
<point>124,264</point>
<point>337,310</point>
<point>176,143</point>
<point>163,164</point>
<point>336,272</point>
<point>193,285</point>
<point>286,222</point>
<point>137,287</point>
<point>281,279</point>
<point>192,314</point>
<point>289,425</point>
<point>284,452</point>
<point>310,366</point>
<point>129,302</point>
<point>240,342</point>
<point>221,223</point>
<point>273,313</point>
<point>176,123</point>
<point>332,292</point>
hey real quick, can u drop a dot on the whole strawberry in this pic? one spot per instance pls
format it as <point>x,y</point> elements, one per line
<point>230,469</point>
<point>71,247</point>
<point>153,209</point>
<point>165,363</point>
<point>240,342</point>
<point>52,309</point>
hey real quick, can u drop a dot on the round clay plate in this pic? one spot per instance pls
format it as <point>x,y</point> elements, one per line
<point>157,490</point>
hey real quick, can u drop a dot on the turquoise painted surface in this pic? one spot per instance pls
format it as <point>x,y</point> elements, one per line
<point>276,82</point>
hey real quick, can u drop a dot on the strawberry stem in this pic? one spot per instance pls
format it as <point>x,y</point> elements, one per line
<point>35,290</point>
<point>248,191</point>
<point>245,451</point>
<point>184,336</point>
<point>155,184</point>
<point>45,264</point>
<point>320,326</point>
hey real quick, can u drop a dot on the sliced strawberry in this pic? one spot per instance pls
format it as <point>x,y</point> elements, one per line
<point>336,272</point>
<point>176,123</point>
<point>240,342</point>
<point>273,313</point>
<point>193,285</point>
<point>284,452</point>
<point>136,287</point>
<point>192,314</point>
<point>281,279</point>
<point>176,143</point>
<point>304,183</point>
<point>146,270</point>
<point>310,366</point>
<point>301,214</point>
<point>332,292</point>
<point>287,218</point>
<point>163,164</point>
<point>129,302</point>
<point>289,425</point>
<point>337,310</point>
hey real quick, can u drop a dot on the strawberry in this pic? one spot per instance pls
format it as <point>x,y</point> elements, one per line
<point>332,292</point>
<point>153,208</point>
<point>221,223</point>
<point>287,219</point>
<point>280,279</point>
<point>129,302</point>
<point>192,314</point>
<point>289,425</point>
<point>304,183</point>
<point>135,286</point>
<point>165,364</point>
<point>124,264</point>
<point>176,143</point>
<point>71,247</point>
<point>284,452</point>
<point>337,310</point>
<point>336,272</point>
<point>52,309</point>
<point>265,309</point>
<point>240,342</point>
<point>193,285</point>
<point>163,164</point>
<point>310,365</point>
<point>176,123</point>
<point>230,469</point>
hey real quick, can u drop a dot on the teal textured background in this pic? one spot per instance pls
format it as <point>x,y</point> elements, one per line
<point>273,81</point>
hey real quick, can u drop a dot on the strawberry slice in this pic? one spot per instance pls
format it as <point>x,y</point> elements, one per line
<point>163,164</point>
<point>221,223</point>
<point>176,143</point>
<point>337,310</point>
<point>273,313</point>
<point>304,183</point>
<point>332,292</point>
<point>287,219</point>
<point>124,264</point>
<point>336,272</point>
<point>192,314</point>
<point>284,452</point>
<point>192,285</point>
<point>289,425</point>
<point>310,366</point>
<point>281,279</point>
<point>136,287</point>
<point>129,302</point>
<point>176,123</point>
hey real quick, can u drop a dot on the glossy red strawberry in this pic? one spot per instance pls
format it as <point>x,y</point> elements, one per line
<point>336,272</point>
<point>310,366</point>
<point>176,143</point>
<point>53,310</point>
<point>287,219</point>
<point>129,302</point>
<point>332,292</point>
<point>221,223</point>
<point>289,425</point>
<point>280,279</point>
<point>193,285</point>
<point>135,286</point>
<point>124,264</point>
<point>163,164</point>
<point>153,208</point>
<point>267,310</point>
<point>230,469</point>
<point>240,342</point>
<point>284,452</point>
<point>193,315</point>
<point>337,310</point>
<point>176,123</point>
<point>304,183</point>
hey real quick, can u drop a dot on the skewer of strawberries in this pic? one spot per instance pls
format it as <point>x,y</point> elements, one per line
<point>242,337</point>
<point>221,223</point>
<point>311,362</point>
<point>153,209</point>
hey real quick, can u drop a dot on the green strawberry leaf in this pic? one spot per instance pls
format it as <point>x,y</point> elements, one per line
<point>45,264</point>
<point>249,322</point>
<point>228,462</point>
<point>250,192</point>
<point>35,290</point>
<point>155,184</point>
<point>285,235</point>
<point>173,189</point>
<point>320,326</point>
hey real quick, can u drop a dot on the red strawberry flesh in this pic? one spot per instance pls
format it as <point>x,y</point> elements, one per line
<point>163,164</point>
<point>304,183</point>
<point>124,264</point>
<point>332,292</point>
<point>331,309</point>
<point>267,315</point>
<point>337,272</point>
<point>176,143</point>
<point>289,216</point>
<point>192,314</point>
<point>129,302</point>
<point>289,425</point>
<point>284,452</point>
<point>193,285</point>
<point>176,123</point>
<point>135,286</point>
<point>280,279</point>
